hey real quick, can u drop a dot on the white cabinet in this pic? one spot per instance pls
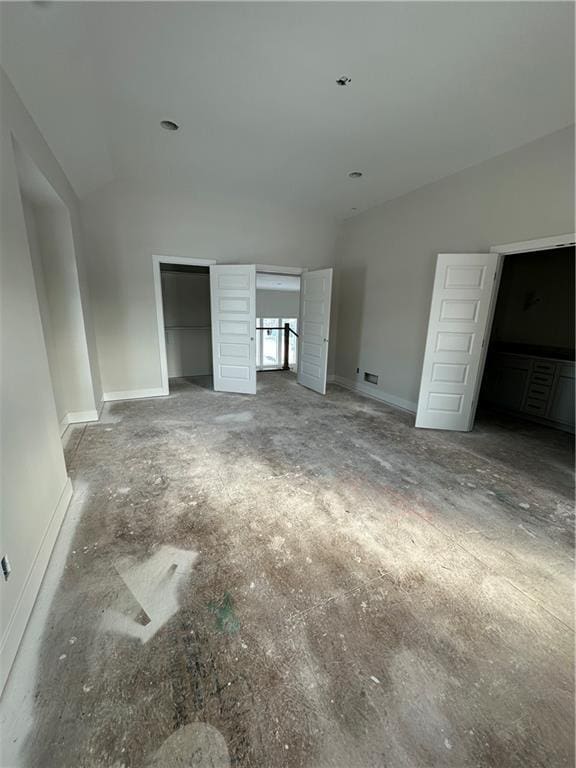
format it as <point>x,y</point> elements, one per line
<point>562,405</point>
<point>537,387</point>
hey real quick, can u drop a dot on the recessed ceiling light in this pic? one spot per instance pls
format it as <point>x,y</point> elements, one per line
<point>169,125</point>
<point>355,174</point>
<point>344,80</point>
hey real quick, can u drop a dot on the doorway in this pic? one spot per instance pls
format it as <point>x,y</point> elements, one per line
<point>529,372</point>
<point>180,283</point>
<point>232,322</point>
<point>277,312</point>
<point>187,322</point>
<point>464,299</point>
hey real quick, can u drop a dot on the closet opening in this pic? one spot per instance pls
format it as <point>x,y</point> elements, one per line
<point>187,323</point>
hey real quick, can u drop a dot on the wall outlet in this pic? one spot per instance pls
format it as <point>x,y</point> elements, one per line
<point>6,567</point>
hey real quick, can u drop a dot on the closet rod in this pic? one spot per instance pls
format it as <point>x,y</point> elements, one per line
<point>187,327</point>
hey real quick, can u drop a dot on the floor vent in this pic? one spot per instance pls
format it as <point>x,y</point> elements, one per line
<point>371,378</point>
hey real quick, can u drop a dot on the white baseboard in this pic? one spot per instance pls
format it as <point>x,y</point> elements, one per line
<point>135,394</point>
<point>331,378</point>
<point>21,613</point>
<point>77,417</point>
<point>369,390</point>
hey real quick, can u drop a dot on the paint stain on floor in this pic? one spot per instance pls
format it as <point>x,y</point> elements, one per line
<point>310,583</point>
<point>226,619</point>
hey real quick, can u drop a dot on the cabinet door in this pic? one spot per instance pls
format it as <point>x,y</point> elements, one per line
<point>562,406</point>
<point>512,385</point>
<point>506,381</point>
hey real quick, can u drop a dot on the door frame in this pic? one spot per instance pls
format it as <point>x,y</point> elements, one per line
<point>278,270</point>
<point>505,249</point>
<point>157,260</point>
<point>274,270</point>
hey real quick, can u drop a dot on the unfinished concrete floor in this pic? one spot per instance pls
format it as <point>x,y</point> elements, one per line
<point>290,580</point>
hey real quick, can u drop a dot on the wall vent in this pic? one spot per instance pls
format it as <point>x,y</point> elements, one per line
<point>371,378</point>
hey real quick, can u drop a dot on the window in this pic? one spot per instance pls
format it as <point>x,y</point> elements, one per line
<point>270,343</point>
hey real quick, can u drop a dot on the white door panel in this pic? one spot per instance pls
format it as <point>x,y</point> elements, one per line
<point>233,305</point>
<point>315,299</point>
<point>460,318</point>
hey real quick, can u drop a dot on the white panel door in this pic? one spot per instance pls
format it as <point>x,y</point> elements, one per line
<point>461,314</point>
<point>233,310</point>
<point>315,297</point>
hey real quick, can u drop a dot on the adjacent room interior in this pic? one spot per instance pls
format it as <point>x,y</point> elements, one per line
<point>529,373</point>
<point>287,385</point>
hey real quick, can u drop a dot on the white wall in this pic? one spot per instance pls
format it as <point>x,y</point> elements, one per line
<point>126,224</point>
<point>277,303</point>
<point>387,255</point>
<point>186,302</point>
<point>35,488</point>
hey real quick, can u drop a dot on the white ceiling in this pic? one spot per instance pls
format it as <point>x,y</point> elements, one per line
<point>436,87</point>
<point>273,282</point>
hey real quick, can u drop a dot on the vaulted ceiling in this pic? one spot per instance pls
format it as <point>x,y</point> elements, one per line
<point>435,87</point>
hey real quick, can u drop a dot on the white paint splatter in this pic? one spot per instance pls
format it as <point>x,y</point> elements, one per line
<point>527,531</point>
<point>235,418</point>
<point>152,584</point>
<point>385,464</point>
